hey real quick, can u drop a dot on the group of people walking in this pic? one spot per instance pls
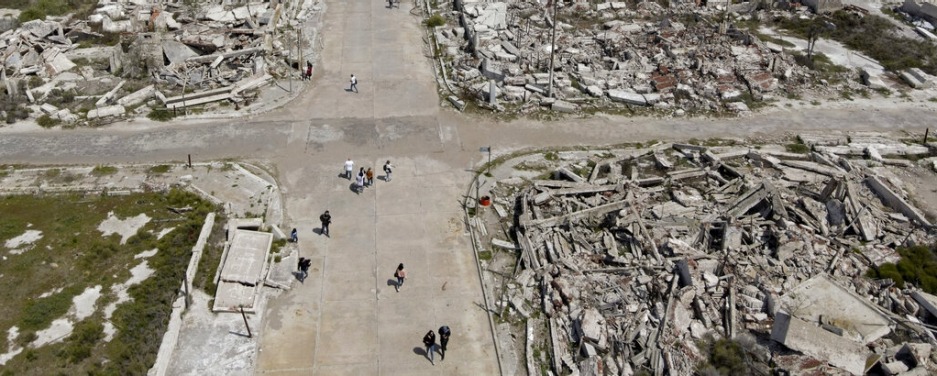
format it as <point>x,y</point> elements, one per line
<point>365,178</point>
<point>429,340</point>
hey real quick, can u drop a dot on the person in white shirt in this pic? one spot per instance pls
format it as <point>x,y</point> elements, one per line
<point>354,84</point>
<point>349,167</point>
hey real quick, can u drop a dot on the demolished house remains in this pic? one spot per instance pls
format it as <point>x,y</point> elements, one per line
<point>678,58</point>
<point>131,57</point>
<point>630,258</point>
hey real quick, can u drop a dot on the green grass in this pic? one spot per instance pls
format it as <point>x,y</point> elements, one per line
<point>874,36</point>
<point>47,121</point>
<point>724,357</point>
<point>918,266</point>
<point>101,170</point>
<point>73,255</point>
<point>160,114</point>
<point>435,20</point>
<point>797,148</point>
<point>485,255</point>
<point>159,169</point>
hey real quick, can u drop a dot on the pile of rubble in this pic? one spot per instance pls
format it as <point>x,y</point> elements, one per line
<point>157,54</point>
<point>674,59</point>
<point>635,256</point>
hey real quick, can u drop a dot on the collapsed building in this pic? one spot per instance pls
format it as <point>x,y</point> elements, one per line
<point>678,58</point>
<point>131,56</point>
<point>630,258</point>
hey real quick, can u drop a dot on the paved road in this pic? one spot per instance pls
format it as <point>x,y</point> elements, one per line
<point>346,319</point>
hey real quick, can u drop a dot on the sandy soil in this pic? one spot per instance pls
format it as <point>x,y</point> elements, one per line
<point>28,237</point>
<point>123,227</point>
<point>83,304</point>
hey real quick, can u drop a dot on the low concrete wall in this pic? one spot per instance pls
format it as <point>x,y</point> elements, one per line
<point>171,337</point>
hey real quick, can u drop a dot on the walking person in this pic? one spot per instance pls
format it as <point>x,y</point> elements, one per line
<point>429,340</point>
<point>361,175</point>
<point>303,266</point>
<point>349,167</point>
<point>308,71</point>
<point>388,169</point>
<point>401,275</point>
<point>444,333</point>
<point>369,175</point>
<point>359,183</point>
<point>354,84</point>
<point>294,237</point>
<point>326,220</point>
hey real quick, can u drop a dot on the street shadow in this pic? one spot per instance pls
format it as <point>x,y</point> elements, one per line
<point>342,175</point>
<point>354,188</point>
<point>419,351</point>
<point>299,277</point>
<point>392,282</point>
<point>317,231</point>
<point>247,336</point>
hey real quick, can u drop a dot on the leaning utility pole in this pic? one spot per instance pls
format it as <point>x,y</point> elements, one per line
<point>552,51</point>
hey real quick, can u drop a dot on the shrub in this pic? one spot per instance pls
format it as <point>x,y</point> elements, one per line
<point>435,20</point>
<point>160,114</point>
<point>81,343</point>
<point>101,170</point>
<point>918,266</point>
<point>160,169</point>
<point>47,121</point>
<point>724,357</point>
<point>797,148</point>
<point>32,14</point>
<point>39,313</point>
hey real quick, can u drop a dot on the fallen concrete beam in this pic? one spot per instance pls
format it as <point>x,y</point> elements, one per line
<point>228,55</point>
<point>571,175</point>
<point>813,167</point>
<point>196,102</point>
<point>137,97</point>
<point>895,202</point>
<point>587,189</point>
<point>106,111</point>
<point>109,95</point>
<point>598,210</point>
<point>196,95</point>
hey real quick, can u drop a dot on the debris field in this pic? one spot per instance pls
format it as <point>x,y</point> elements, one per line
<point>633,256</point>
<point>129,57</point>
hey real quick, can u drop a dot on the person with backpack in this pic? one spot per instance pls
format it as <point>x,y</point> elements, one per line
<point>429,340</point>
<point>326,220</point>
<point>387,171</point>
<point>444,333</point>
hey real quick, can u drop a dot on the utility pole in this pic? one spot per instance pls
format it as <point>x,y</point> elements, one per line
<point>299,47</point>
<point>552,51</point>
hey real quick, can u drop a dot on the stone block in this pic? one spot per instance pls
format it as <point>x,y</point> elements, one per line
<point>627,97</point>
<point>564,106</point>
<point>106,111</point>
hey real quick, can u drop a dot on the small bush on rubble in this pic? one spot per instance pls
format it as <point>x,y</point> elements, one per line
<point>918,266</point>
<point>724,357</point>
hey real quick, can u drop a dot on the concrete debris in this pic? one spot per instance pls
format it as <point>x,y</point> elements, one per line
<point>667,57</point>
<point>166,47</point>
<point>635,256</point>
